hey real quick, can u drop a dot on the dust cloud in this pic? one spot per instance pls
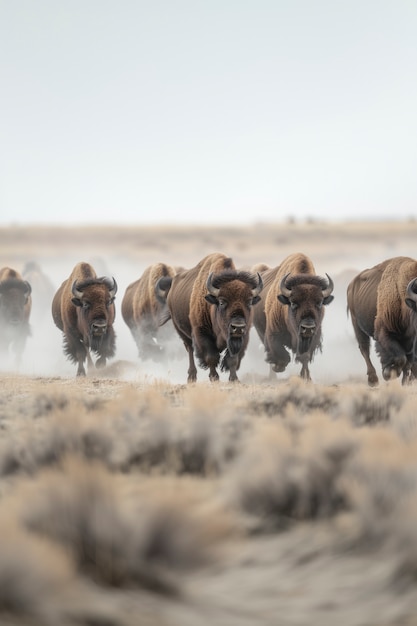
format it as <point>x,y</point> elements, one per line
<point>339,359</point>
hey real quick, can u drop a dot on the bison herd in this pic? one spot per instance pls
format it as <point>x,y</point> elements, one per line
<point>213,307</point>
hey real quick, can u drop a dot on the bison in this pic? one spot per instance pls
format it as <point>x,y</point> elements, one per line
<point>382,303</point>
<point>291,313</point>
<point>42,293</point>
<point>15,309</point>
<point>143,306</point>
<point>211,308</point>
<point>83,309</point>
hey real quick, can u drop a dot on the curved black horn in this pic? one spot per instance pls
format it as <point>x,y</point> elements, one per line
<point>328,290</point>
<point>113,287</point>
<point>411,290</point>
<point>212,290</point>
<point>110,284</point>
<point>162,286</point>
<point>283,288</point>
<point>257,290</point>
<point>75,291</point>
<point>28,288</point>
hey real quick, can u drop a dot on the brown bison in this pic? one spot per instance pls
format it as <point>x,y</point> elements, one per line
<point>211,308</point>
<point>382,304</point>
<point>143,306</point>
<point>83,309</point>
<point>15,308</point>
<point>291,313</point>
<point>42,292</point>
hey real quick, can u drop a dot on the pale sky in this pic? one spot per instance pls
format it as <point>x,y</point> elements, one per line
<point>207,111</point>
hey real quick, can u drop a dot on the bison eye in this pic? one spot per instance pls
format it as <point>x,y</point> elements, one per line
<point>294,306</point>
<point>222,303</point>
<point>86,305</point>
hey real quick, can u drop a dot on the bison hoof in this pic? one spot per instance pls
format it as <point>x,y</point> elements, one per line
<point>279,367</point>
<point>390,373</point>
<point>373,381</point>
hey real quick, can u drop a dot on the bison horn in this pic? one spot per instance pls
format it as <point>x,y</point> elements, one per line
<point>110,284</point>
<point>113,287</point>
<point>411,293</point>
<point>28,289</point>
<point>75,291</point>
<point>283,288</point>
<point>329,288</point>
<point>259,287</point>
<point>212,290</point>
<point>162,286</point>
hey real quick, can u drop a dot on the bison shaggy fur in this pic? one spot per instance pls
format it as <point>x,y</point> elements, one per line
<point>15,310</point>
<point>290,315</point>
<point>143,307</point>
<point>381,301</point>
<point>211,307</point>
<point>83,309</point>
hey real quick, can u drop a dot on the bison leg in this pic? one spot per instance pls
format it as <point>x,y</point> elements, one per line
<point>80,369</point>
<point>188,344</point>
<point>276,353</point>
<point>101,362</point>
<point>305,372</point>
<point>394,368</point>
<point>233,367</point>
<point>231,363</point>
<point>192,370</point>
<point>408,375</point>
<point>207,354</point>
<point>90,363</point>
<point>413,372</point>
<point>75,349</point>
<point>364,343</point>
<point>211,360</point>
<point>370,369</point>
<point>392,355</point>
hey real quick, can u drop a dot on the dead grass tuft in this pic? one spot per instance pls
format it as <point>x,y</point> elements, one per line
<point>281,478</point>
<point>114,539</point>
<point>32,572</point>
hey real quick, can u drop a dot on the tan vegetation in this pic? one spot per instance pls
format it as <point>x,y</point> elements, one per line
<point>133,498</point>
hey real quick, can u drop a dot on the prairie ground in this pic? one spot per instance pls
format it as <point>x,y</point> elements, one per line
<point>131,497</point>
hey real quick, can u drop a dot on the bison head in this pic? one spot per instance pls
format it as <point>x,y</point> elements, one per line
<point>233,294</point>
<point>305,295</point>
<point>94,299</point>
<point>14,298</point>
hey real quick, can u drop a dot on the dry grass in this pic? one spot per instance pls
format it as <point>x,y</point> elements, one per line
<point>156,488</point>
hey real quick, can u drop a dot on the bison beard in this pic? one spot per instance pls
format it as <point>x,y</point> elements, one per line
<point>303,345</point>
<point>96,342</point>
<point>234,347</point>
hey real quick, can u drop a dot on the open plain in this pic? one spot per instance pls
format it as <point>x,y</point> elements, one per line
<point>129,497</point>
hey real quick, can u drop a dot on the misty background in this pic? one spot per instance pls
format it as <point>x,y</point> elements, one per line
<point>339,362</point>
<point>207,112</point>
